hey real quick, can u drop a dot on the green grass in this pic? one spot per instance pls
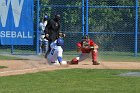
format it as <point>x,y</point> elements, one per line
<point>118,56</point>
<point>2,67</point>
<point>2,57</point>
<point>114,58</point>
<point>71,81</point>
<point>103,56</point>
<point>108,56</point>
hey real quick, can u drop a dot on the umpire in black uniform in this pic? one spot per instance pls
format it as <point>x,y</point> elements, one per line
<point>52,30</point>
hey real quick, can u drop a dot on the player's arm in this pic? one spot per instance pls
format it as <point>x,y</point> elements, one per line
<point>41,26</point>
<point>93,45</point>
<point>46,31</point>
<point>61,34</point>
<point>48,26</point>
<point>79,46</point>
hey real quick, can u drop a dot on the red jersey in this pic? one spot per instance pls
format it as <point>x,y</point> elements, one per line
<point>85,45</point>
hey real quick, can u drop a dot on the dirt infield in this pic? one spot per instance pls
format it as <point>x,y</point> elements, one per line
<point>31,66</point>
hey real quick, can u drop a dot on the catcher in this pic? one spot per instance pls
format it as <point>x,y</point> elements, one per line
<point>86,47</point>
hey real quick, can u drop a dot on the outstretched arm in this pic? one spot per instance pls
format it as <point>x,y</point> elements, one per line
<point>78,46</point>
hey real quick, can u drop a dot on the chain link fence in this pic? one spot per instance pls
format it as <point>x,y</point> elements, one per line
<point>112,24</point>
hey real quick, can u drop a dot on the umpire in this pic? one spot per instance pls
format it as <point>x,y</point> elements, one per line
<point>52,30</point>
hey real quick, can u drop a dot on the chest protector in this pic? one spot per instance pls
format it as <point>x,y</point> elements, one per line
<point>86,44</point>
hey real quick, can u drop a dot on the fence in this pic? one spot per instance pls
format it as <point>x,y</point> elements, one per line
<point>112,24</point>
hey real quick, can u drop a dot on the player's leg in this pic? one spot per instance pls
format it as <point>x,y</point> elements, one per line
<point>83,56</point>
<point>94,54</point>
<point>40,46</point>
<point>46,45</point>
<point>48,50</point>
<point>48,61</point>
<point>51,60</point>
<point>42,43</point>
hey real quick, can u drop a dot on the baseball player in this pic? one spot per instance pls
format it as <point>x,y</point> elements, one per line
<point>53,44</point>
<point>55,55</point>
<point>86,47</point>
<point>43,41</point>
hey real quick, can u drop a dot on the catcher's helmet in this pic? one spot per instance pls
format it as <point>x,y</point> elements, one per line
<point>85,37</point>
<point>60,42</point>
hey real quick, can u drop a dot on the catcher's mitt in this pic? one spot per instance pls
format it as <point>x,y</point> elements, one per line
<point>94,47</point>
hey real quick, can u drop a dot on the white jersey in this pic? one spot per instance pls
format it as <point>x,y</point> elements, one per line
<point>42,26</point>
<point>54,53</point>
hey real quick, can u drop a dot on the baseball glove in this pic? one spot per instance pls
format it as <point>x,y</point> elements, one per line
<point>94,47</point>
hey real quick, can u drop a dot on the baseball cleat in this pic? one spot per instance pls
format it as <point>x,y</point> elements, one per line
<point>95,63</point>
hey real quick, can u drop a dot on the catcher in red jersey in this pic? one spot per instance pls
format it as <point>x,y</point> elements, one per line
<point>87,47</point>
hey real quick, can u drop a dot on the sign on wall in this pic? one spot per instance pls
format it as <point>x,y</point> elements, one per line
<point>16,22</point>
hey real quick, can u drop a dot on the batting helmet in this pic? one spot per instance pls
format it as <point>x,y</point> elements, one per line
<point>45,17</point>
<point>60,42</point>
